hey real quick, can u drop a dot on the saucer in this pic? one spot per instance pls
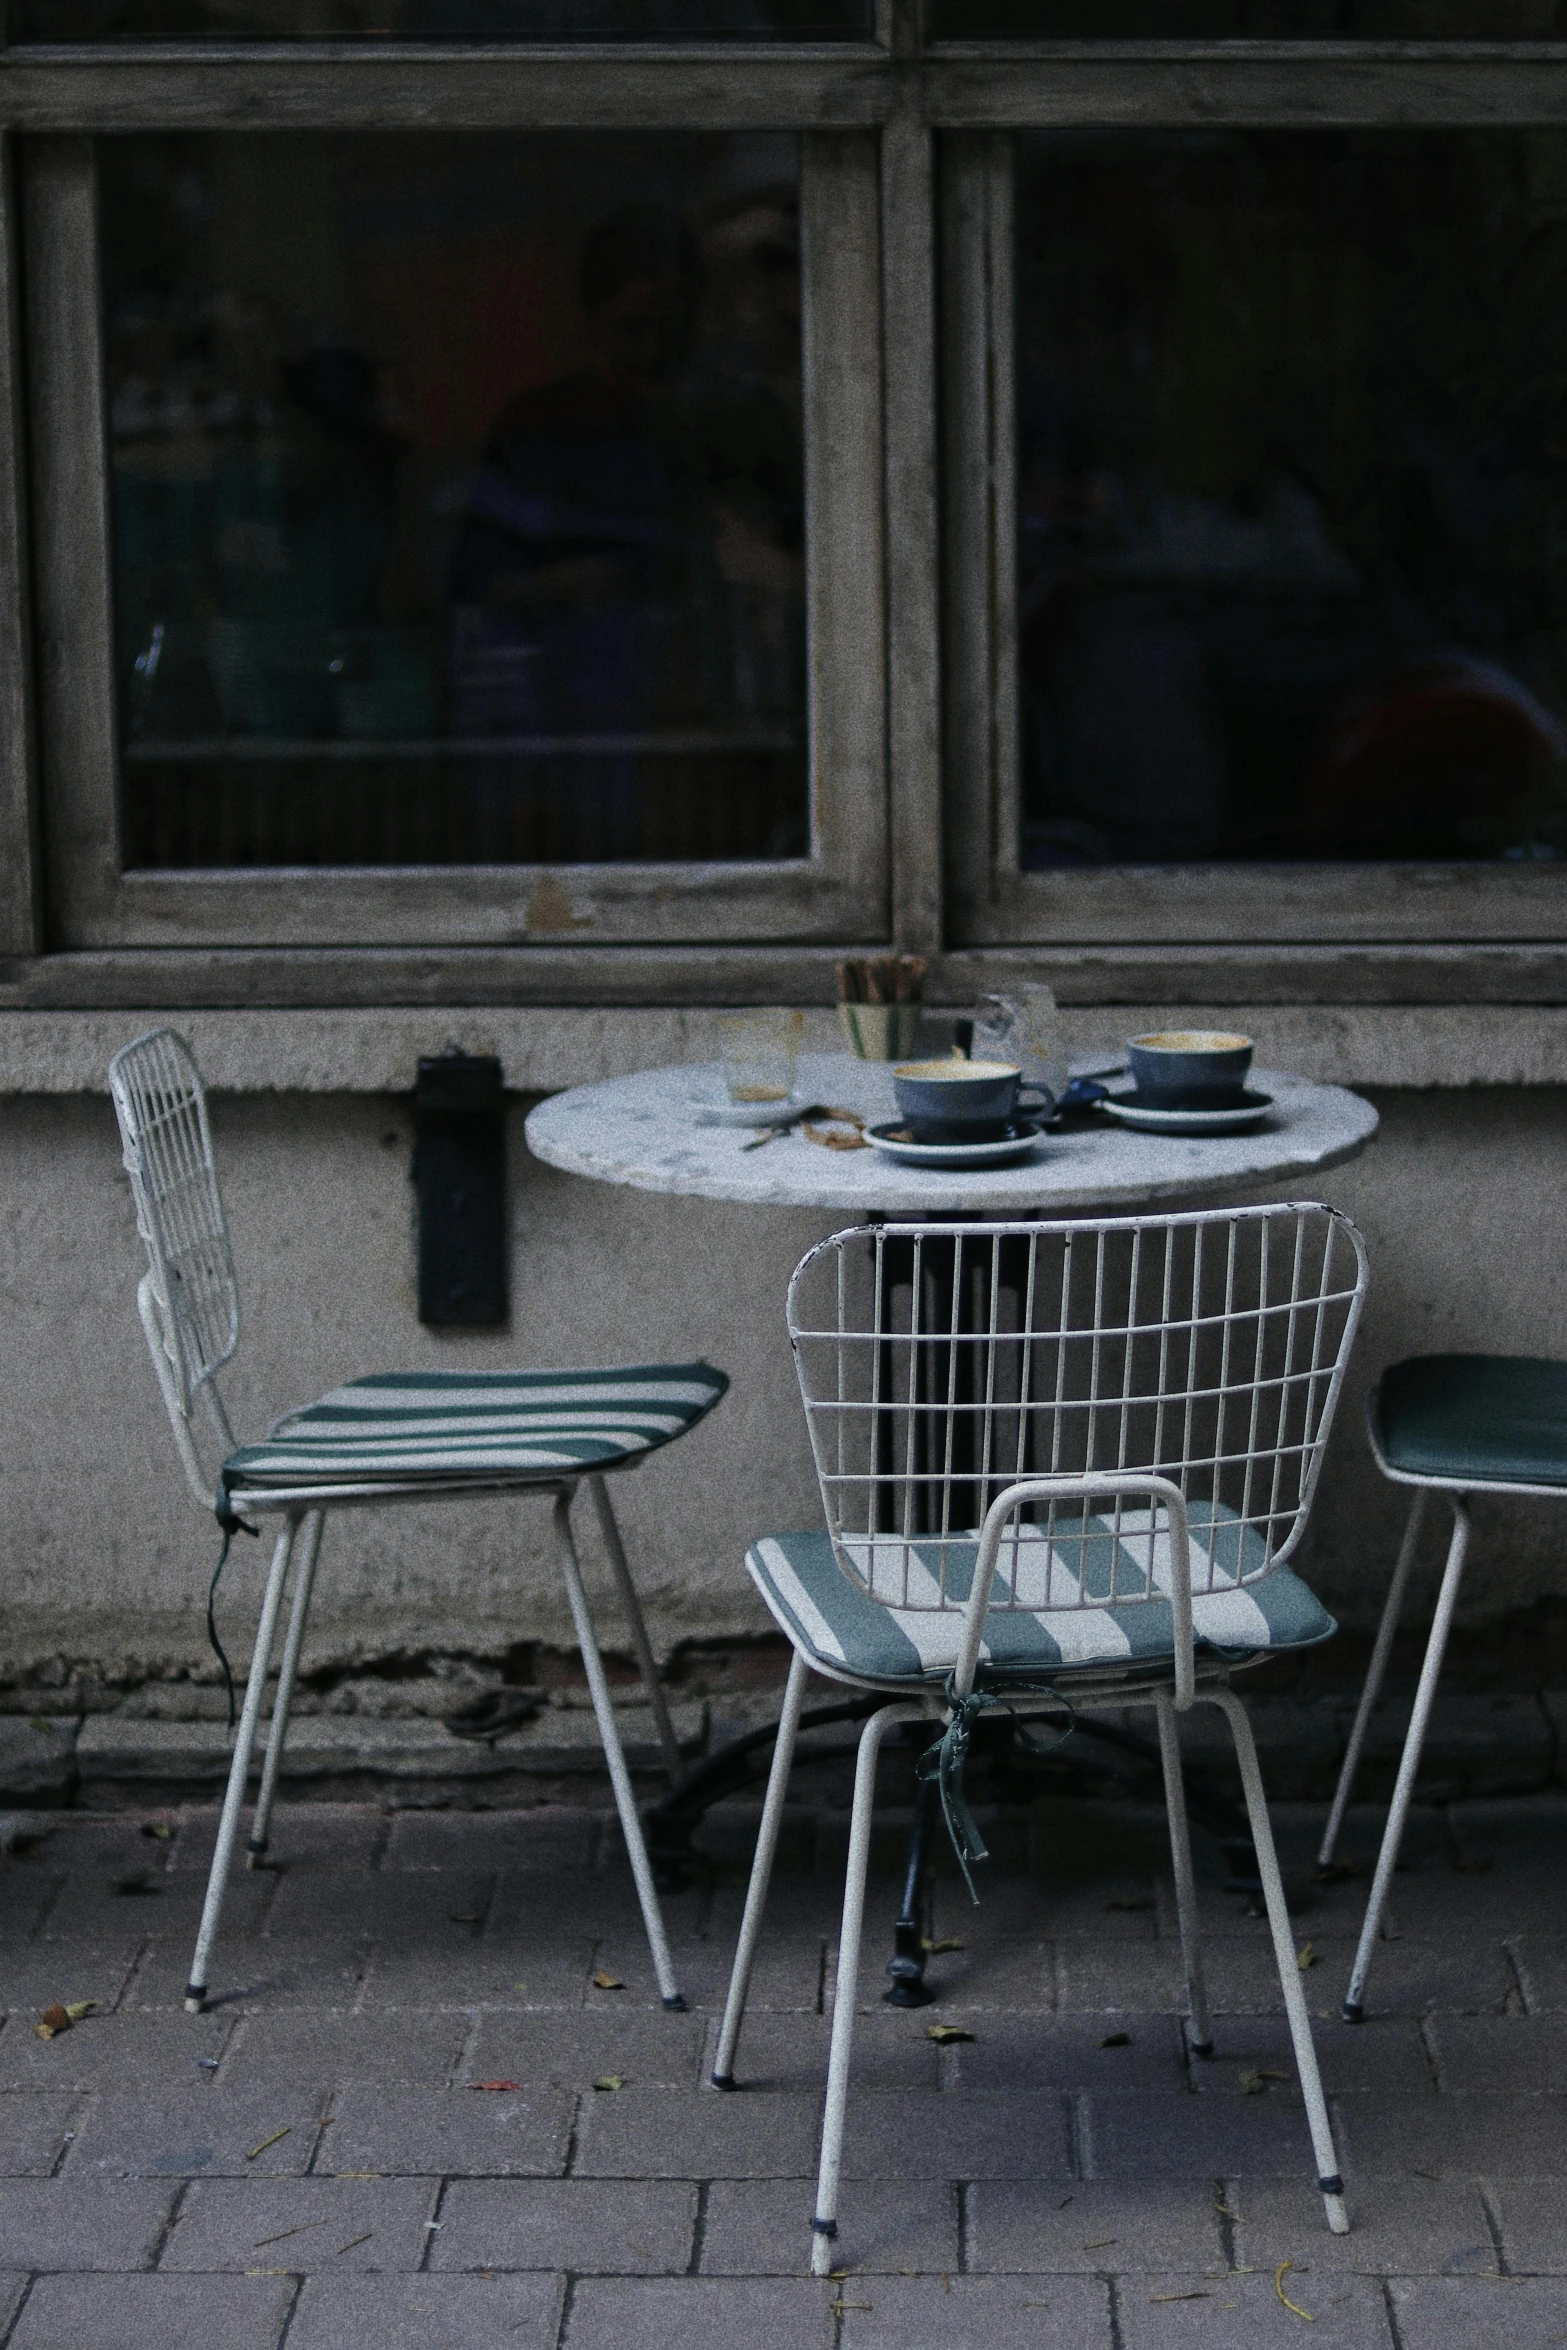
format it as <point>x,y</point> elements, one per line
<point>716,1110</point>
<point>1237,1118</point>
<point>1007,1151</point>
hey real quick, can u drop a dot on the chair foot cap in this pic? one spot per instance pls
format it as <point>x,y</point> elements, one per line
<point>1332,2185</point>
<point>725,2081</point>
<point>195,1998</point>
<point>824,2227</point>
<point>676,2003</point>
<point>1354,2013</point>
<point>1202,2048</point>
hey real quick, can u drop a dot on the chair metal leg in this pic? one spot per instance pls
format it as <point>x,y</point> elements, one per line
<point>293,1640</point>
<point>610,1529</point>
<point>1409,1764</point>
<point>761,1872</point>
<point>1328,2179</point>
<point>614,1755</point>
<point>824,2225</point>
<point>1391,1611</point>
<point>1185,1886</point>
<point>239,1768</point>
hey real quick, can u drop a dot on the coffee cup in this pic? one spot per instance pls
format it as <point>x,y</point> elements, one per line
<point>960,1101</point>
<point>1190,1068</point>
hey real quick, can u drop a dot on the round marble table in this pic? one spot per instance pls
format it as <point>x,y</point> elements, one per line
<point>646,1131</point>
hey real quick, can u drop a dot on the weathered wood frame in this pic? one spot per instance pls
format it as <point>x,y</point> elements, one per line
<point>990,900</point>
<point>842,890</point>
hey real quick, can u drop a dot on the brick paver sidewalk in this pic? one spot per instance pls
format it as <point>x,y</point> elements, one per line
<point>311,2162</point>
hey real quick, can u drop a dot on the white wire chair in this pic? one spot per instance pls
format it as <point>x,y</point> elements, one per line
<point>405,1436</point>
<point>1062,1464</point>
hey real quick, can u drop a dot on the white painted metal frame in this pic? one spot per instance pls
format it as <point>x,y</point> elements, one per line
<point>1458,1491</point>
<point>1166,1361</point>
<point>188,1300</point>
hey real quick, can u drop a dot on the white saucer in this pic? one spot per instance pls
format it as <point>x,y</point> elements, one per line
<point>721,1111</point>
<point>1239,1118</point>
<point>1014,1146</point>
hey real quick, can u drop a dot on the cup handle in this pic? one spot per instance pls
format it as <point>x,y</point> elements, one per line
<point>1044,1107</point>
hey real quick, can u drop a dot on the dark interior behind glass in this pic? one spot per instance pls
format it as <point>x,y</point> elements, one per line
<point>439,20</point>
<point>1257,20</point>
<point>1292,495</point>
<point>458,497</point>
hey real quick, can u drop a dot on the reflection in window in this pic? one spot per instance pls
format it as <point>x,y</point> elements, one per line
<point>1292,502</point>
<point>439,20</point>
<point>1256,20</point>
<point>458,504</point>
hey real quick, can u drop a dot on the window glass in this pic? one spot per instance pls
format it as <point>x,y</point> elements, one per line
<point>439,20</point>
<point>457,497</point>
<point>1292,495</point>
<point>1218,20</point>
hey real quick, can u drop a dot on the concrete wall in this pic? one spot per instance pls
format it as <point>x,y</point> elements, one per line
<point>104,1557</point>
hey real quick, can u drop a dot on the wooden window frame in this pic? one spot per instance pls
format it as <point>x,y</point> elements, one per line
<point>991,901</point>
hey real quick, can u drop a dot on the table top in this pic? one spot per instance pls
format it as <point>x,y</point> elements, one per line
<point>645,1131</point>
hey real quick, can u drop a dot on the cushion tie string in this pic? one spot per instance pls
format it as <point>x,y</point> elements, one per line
<point>944,1760</point>
<point>232,1523</point>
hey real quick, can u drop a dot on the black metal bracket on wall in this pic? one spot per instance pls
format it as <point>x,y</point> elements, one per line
<point>459,1175</point>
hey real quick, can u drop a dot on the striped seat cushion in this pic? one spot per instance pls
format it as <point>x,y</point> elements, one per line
<point>437,1425</point>
<point>841,1628</point>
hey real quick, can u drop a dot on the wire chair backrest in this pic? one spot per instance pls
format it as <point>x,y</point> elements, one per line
<point>189,1285</point>
<point>944,1365</point>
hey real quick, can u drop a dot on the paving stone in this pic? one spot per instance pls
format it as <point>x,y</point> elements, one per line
<point>1460,2313</point>
<point>696,2134</point>
<point>1008,1971</point>
<point>37,1759</point>
<point>1541,1964</point>
<point>1090,2225</point>
<point>1385,2053</point>
<point>702,2313</point>
<point>304,1836</point>
<point>1533,2216</point>
<point>762,2227</point>
<point>1021,2051</point>
<point>1454,2135</point>
<point>111,2052</point>
<point>1398,2227</point>
<point>305,2225</point>
<point>892,2050</point>
<point>421,2313</point>
<point>975,2313</point>
<point>11,2290</point>
<point>787,1976</point>
<point>1492,2054</point>
<point>35,1974</point>
<point>1120,1903</point>
<point>1203,2137</point>
<point>254,1976</point>
<point>392,2045</point>
<point>34,2131</point>
<point>82,2224</point>
<point>576,2050</point>
<point>133,2312</point>
<point>1407,1978</point>
<point>593,2227</point>
<point>540,1905</point>
<point>461,2133</point>
<point>1201,2311</point>
<point>552,1837</point>
<point>143,1898</point>
<point>480,1974</point>
<point>185,2133</point>
<point>412,1909</point>
<point>27,1893</point>
<point>901,2134</point>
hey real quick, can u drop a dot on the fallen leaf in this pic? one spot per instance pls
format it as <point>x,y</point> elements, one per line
<point>1100,2242</point>
<point>54,2019</point>
<point>495,2084</point>
<point>1180,2296</point>
<point>945,2034</point>
<point>1255,2080</point>
<point>1116,2040</point>
<point>940,1949</point>
<point>838,2307</point>
<point>359,2174</point>
<point>519,1986</point>
<point>605,1981</point>
<point>284,2132</point>
<point>39,1722</point>
<point>77,2008</point>
<point>1306,1956</point>
<point>610,2081</point>
<point>354,2243</point>
<point>159,1829</point>
<point>1278,2286</point>
<point>267,2272</point>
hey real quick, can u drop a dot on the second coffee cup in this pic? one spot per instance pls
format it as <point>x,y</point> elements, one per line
<point>961,1101</point>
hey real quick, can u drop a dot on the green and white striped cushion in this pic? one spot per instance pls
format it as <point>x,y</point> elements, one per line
<point>843,1629</point>
<point>419,1425</point>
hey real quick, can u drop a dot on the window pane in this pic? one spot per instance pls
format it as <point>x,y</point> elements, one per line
<point>1218,20</point>
<point>440,20</point>
<point>1292,495</point>
<point>458,507</point>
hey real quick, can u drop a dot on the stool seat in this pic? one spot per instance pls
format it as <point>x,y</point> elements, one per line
<point>1475,1419</point>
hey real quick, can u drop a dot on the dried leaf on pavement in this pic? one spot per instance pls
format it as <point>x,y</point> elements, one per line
<point>495,2084</point>
<point>1306,1956</point>
<point>605,1981</point>
<point>61,2015</point>
<point>945,2034</point>
<point>610,2081</point>
<point>1116,2040</point>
